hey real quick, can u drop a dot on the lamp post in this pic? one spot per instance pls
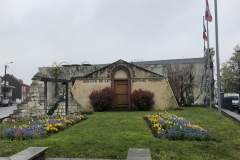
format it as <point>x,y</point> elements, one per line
<point>5,79</point>
<point>238,50</point>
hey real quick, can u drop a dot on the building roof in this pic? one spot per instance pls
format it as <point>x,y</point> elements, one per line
<point>173,61</point>
<point>19,80</point>
<point>170,61</point>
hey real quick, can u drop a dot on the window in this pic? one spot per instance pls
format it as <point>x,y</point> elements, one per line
<point>7,90</point>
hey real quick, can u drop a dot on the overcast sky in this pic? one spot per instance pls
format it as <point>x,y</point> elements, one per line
<point>35,33</point>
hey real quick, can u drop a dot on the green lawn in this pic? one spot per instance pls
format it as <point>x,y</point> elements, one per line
<point>111,134</point>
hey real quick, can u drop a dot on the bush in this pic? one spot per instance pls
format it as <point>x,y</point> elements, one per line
<point>102,100</point>
<point>142,100</point>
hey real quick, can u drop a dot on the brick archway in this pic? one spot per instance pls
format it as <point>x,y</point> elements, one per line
<point>121,87</point>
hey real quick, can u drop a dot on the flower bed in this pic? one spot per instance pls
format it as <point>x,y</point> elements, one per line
<point>41,128</point>
<point>165,125</point>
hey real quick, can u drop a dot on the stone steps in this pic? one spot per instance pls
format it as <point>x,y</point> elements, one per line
<point>139,154</point>
<point>31,153</point>
<point>38,153</point>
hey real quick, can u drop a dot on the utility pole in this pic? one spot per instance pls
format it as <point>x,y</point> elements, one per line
<point>218,63</point>
<point>5,79</point>
<point>5,82</point>
<point>238,51</point>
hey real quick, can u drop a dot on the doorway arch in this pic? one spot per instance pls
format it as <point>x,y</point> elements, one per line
<point>121,84</point>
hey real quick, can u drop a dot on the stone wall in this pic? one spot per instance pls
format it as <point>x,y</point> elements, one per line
<point>136,77</point>
<point>33,106</point>
<point>65,73</point>
<point>154,66</point>
<point>198,69</point>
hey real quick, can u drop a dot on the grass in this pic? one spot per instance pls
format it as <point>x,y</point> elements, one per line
<point>111,134</point>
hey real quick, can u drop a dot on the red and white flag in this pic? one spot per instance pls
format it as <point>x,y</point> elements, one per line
<point>204,33</point>
<point>208,15</point>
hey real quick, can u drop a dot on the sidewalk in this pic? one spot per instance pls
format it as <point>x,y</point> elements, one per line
<point>37,153</point>
<point>79,159</point>
<point>230,113</point>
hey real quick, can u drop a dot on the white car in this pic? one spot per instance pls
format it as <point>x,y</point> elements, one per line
<point>6,102</point>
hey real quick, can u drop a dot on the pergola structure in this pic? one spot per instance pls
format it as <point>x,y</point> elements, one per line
<point>64,82</point>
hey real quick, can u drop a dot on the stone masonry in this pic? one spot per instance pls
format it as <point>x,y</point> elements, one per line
<point>33,105</point>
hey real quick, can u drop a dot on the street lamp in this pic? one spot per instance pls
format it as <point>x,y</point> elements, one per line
<point>5,80</point>
<point>238,50</point>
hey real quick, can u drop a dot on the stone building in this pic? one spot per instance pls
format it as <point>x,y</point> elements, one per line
<point>150,75</point>
<point>123,78</point>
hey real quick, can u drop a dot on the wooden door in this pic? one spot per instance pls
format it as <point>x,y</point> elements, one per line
<point>121,91</point>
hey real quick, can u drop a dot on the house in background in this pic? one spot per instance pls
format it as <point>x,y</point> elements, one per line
<point>7,91</point>
<point>19,92</point>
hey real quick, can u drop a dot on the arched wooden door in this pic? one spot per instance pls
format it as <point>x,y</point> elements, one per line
<point>121,92</point>
<point>122,86</point>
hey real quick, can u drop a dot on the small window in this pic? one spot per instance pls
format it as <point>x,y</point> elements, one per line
<point>235,98</point>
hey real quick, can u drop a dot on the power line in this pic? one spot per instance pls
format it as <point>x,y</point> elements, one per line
<point>18,75</point>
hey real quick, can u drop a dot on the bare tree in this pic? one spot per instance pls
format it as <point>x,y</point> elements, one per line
<point>183,81</point>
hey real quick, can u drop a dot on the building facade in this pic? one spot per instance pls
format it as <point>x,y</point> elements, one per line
<point>123,78</point>
<point>147,75</point>
<point>19,92</point>
<point>7,90</point>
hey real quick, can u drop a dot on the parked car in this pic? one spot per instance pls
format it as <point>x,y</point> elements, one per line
<point>238,107</point>
<point>234,97</point>
<point>6,102</point>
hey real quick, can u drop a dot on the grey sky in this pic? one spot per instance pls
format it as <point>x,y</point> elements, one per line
<point>35,33</point>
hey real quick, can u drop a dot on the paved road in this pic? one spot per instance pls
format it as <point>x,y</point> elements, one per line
<point>5,111</point>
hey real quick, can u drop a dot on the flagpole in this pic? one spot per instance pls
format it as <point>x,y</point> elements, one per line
<point>217,59</point>
<point>209,70</point>
<point>204,50</point>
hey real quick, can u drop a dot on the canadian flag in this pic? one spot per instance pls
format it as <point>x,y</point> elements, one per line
<point>204,33</point>
<point>208,15</point>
